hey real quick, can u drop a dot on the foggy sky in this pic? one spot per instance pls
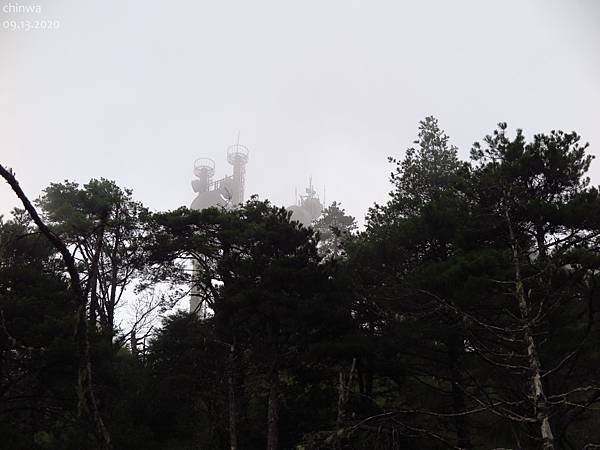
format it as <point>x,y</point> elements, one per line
<point>135,90</point>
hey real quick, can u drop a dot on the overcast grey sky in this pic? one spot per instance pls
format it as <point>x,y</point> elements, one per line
<point>135,90</point>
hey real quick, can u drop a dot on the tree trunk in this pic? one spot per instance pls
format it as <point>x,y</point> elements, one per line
<point>112,299</point>
<point>133,343</point>
<point>114,279</point>
<point>540,238</point>
<point>273,414</point>
<point>92,287</point>
<point>93,305</point>
<point>456,350</point>
<point>233,442</point>
<point>344,388</point>
<point>540,405</point>
<point>87,405</point>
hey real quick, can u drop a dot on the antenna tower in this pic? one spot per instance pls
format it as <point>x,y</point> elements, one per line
<point>237,156</point>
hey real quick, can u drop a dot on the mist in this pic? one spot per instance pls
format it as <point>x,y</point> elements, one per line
<point>136,91</point>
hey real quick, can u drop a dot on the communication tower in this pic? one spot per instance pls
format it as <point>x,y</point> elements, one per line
<point>204,169</point>
<point>227,192</point>
<point>309,208</point>
<point>237,156</point>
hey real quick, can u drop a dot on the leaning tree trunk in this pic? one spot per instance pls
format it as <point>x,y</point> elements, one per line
<point>87,404</point>
<point>540,404</point>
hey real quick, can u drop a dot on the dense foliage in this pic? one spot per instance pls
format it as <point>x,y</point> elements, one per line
<point>463,316</point>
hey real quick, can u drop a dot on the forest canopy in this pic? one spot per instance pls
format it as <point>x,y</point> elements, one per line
<point>463,315</point>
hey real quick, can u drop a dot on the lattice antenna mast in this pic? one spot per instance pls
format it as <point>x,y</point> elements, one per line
<point>237,156</point>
